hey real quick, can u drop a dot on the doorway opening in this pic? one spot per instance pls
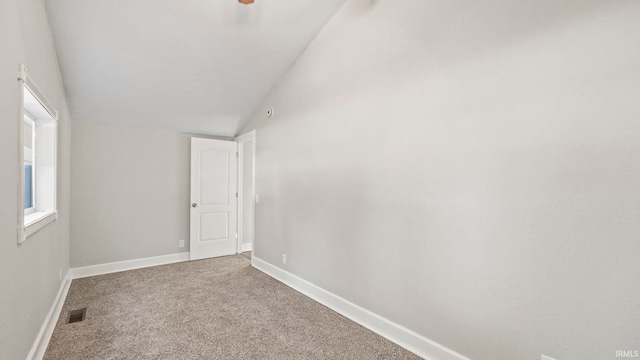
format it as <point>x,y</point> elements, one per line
<point>223,197</point>
<point>246,192</point>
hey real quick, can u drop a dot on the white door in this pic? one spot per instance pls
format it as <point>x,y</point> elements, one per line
<point>213,198</point>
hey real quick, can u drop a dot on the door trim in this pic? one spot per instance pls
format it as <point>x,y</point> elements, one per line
<point>251,135</point>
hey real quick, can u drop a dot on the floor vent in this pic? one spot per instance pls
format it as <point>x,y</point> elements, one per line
<point>76,315</point>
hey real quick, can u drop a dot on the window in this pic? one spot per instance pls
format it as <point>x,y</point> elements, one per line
<point>28,133</point>
<point>38,127</point>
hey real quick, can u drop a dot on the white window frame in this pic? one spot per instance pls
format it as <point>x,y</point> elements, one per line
<point>28,224</point>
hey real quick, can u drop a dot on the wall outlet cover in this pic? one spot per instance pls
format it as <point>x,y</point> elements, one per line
<point>181,243</point>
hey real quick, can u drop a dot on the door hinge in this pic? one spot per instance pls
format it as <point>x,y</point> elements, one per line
<point>236,195</point>
<point>237,154</point>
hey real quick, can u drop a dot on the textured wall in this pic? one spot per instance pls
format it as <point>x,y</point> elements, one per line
<point>130,195</point>
<point>29,273</point>
<point>470,170</point>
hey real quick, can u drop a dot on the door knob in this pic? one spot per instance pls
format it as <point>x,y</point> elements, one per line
<point>194,205</point>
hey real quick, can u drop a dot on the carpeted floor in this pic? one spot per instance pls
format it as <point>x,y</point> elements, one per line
<point>209,309</point>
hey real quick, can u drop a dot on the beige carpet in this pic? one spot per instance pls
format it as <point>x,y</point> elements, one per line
<point>209,309</point>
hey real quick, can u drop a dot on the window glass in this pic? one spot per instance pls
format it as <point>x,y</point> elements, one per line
<point>28,129</point>
<point>28,186</point>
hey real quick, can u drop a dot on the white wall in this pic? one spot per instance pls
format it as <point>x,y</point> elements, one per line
<point>469,170</point>
<point>130,195</point>
<point>29,273</point>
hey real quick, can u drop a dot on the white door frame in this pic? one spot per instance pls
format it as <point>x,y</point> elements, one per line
<point>241,140</point>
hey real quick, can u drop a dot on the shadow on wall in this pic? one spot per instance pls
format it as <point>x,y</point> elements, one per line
<point>364,6</point>
<point>421,39</point>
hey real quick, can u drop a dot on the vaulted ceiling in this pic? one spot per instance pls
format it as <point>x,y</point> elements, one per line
<point>198,66</point>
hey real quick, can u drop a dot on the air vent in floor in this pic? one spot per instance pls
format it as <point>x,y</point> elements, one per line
<point>76,315</point>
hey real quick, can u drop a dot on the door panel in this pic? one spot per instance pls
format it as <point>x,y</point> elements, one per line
<point>214,177</point>
<point>213,198</point>
<point>214,226</point>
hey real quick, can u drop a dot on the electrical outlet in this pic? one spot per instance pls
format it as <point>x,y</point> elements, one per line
<point>545,357</point>
<point>181,243</point>
<point>284,259</point>
<point>257,198</point>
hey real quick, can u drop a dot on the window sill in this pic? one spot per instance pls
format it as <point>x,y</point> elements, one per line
<point>36,221</point>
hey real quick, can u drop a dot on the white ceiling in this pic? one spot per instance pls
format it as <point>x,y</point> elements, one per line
<point>199,66</point>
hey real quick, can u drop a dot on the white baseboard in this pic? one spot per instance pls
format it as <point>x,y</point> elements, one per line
<point>247,247</point>
<point>408,339</point>
<point>46,330</point>
<point>101,269</point>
